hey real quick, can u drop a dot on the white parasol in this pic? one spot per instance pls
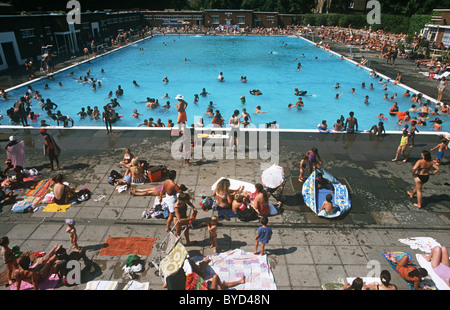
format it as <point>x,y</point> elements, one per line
<point>273,176</point>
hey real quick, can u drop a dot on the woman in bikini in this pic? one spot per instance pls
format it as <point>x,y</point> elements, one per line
<point>224,195</point>
<point>260,201</point>
<point>127,157</point>
<point>421,174</point>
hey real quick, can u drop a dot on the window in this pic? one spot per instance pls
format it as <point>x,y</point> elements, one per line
<point>48,30</point>
<point>446,38</point>
<point>27,33</point>
<point>215,20</point>
<point>270,19</point>
<point>241,20</point>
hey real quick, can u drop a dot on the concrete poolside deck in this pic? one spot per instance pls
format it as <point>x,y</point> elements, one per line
<point>305,251</point>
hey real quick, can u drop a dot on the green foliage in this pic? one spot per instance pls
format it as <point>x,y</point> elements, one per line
<point>417,22</point>
<point>389,22</point>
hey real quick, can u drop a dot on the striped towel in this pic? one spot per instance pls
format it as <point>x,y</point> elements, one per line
<point>40,189</point>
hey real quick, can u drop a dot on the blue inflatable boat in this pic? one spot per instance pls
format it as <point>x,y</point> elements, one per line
<point>314,197</point>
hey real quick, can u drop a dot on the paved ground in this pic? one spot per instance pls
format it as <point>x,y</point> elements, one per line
<point>305,251</point>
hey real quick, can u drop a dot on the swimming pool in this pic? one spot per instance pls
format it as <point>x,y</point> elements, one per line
<point>269,63</point>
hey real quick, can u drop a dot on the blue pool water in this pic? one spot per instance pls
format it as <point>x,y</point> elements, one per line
<point>269,63</point>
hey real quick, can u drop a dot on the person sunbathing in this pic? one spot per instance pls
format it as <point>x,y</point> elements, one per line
<point>38,272</point>
<point>410,273</point>
<point>439,262</point>
<point>152,191</point>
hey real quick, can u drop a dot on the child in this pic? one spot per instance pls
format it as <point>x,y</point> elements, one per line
<point>401,148</point>
<point>212,228</point>
<point>72,231</point>
<point>263,235</point>
<point>328,205</point>
<point>441,147</point>
<point>412,132</point>
<point>8,258</point>
<point>303,163</point>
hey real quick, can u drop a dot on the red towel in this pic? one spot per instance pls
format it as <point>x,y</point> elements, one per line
<point>116,246</point>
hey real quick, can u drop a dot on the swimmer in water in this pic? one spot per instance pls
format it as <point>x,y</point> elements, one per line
<point>136,114</point>
<point>135,84</point>
<point>220,77</point>
<point>258,110</point>
<point>204,92</point>
<point>339,95</point>
<point>165,80</point>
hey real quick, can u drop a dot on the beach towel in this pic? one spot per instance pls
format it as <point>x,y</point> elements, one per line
<point>440,283</point>
<point>48,284</point>
<point>17,154</point>
<point>334,286</point>
<point>101,285</point>
<point>194,282</point>
<point>53,207</point>
<point>394,257</point>
<point>40,189</point>
<point>231,265</point>
<point>425,244</point>
<point>116,246</point>
<point>136,286</point>
<point>24,205</point>
<point>173,262</point>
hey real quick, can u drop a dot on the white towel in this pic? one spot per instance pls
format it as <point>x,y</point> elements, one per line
<point>136,286</point>
<point>101,285</point>
<point>425,244</point>
<point>440,283</point>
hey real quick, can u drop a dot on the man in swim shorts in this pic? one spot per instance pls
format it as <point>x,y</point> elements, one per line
<point>181,108</point>
<point>168,196</point>
<point>351,124</point>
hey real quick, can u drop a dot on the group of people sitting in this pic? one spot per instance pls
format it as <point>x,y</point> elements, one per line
<point>241,201</point>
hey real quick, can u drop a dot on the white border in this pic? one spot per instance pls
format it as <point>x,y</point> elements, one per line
<point>219,128</point>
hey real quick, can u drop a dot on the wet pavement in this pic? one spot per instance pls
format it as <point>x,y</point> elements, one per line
<point>305,252</point>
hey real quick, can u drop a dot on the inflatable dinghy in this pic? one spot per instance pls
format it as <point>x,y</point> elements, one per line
<point>314,197</point>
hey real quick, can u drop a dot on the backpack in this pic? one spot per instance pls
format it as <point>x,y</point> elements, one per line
<point>247,215</point>
<point>83,195</point>
<point>206,203</point>
<point>113,176</point>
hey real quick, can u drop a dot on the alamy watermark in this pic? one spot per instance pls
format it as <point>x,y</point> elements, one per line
<point>74,15</point>
<point>228,143</point>
<point>374,16</point>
